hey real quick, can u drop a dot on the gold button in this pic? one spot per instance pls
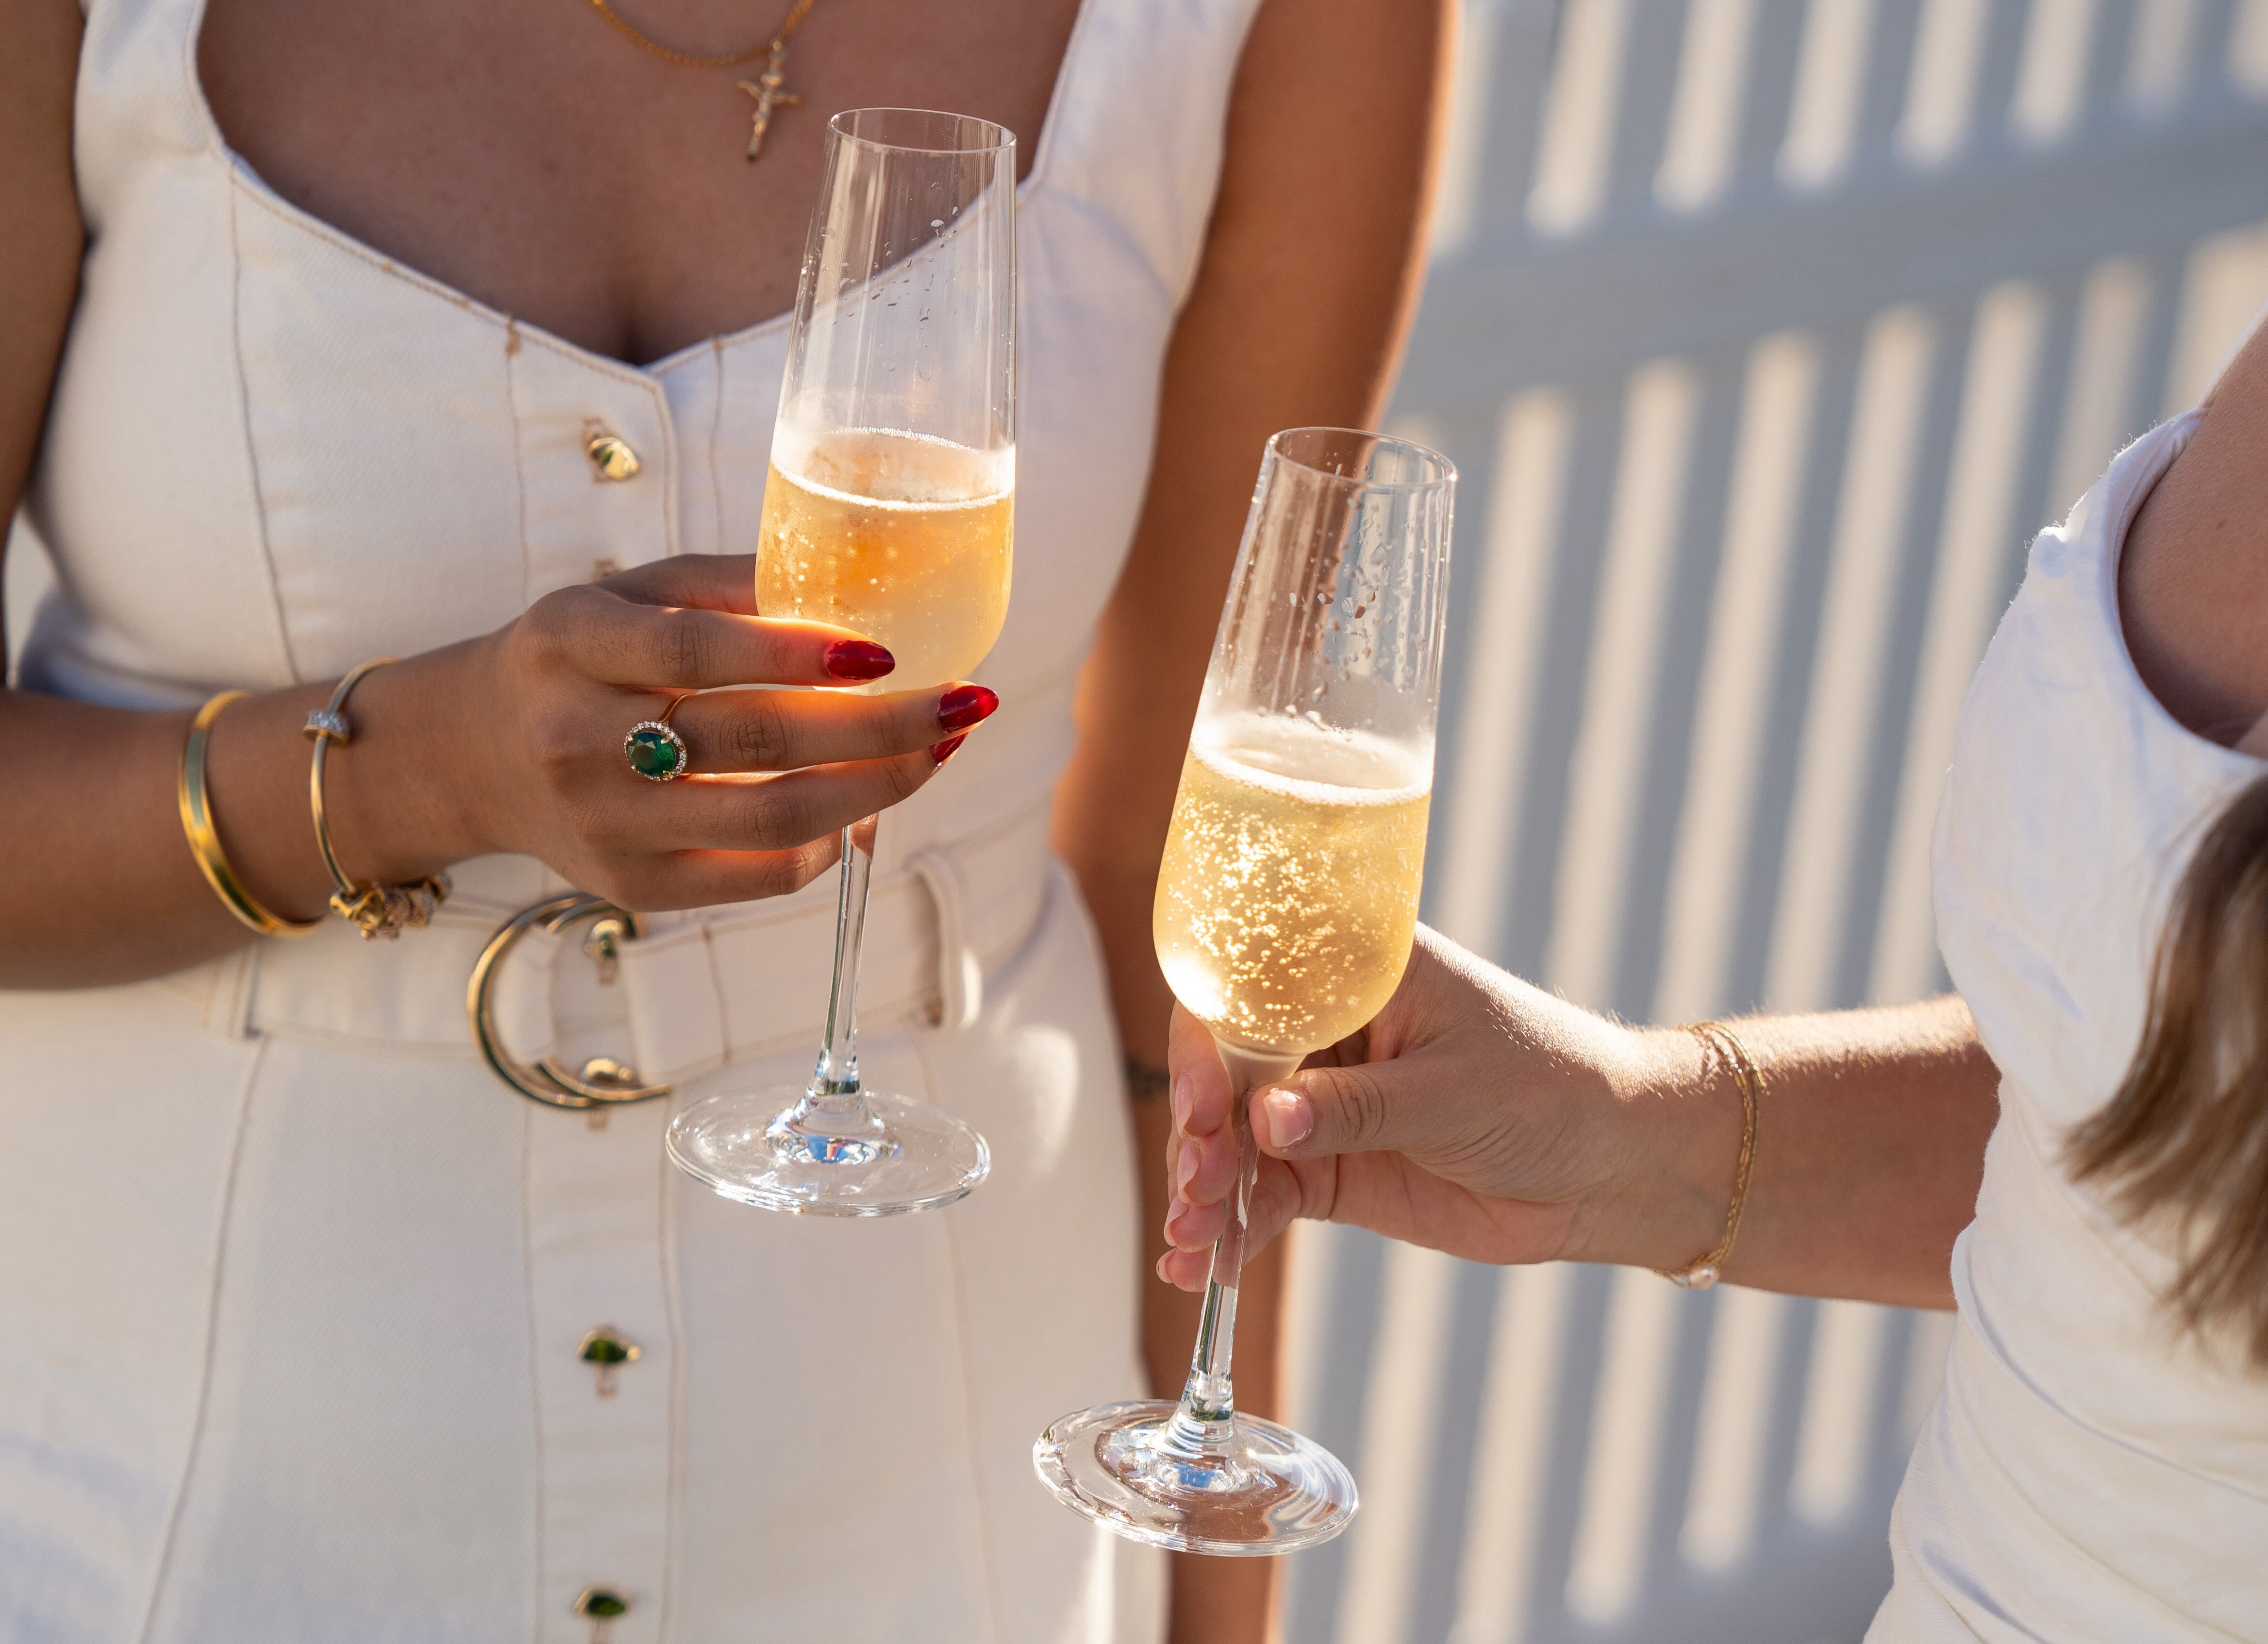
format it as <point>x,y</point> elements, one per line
<point>611,456</point>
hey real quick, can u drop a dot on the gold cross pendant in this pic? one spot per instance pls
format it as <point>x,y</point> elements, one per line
<point>765,88</point>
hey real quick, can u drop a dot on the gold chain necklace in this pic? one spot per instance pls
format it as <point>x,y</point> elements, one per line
<point>765,88</point>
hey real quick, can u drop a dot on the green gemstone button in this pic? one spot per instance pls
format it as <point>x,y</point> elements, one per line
<point>601,1605</point>
<point>605,1346</point>
<point>652,754</point>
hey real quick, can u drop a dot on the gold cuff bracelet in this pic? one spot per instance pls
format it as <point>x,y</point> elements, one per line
<point>376,910</point>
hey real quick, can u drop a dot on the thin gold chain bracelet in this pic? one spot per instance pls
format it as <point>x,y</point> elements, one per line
<point>378,911</point>
<point>196,802</point>
<point>1703,1271</point>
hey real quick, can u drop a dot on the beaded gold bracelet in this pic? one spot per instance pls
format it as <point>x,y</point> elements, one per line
<point>378,911</point>
<point>204,839</point>
<point>1703,1271</point>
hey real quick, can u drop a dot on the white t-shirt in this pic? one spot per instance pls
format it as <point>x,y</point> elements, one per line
<point>2088,1471</point>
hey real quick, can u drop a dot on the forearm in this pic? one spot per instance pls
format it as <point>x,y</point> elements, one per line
<point>92,824</point>
<point>1870,1146</point>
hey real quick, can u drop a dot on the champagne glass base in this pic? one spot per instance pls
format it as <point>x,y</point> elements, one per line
<point>765,1148</point>
<point>1265,1491</point>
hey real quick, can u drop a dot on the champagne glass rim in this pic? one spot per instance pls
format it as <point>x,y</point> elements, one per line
<point>840,125</point>
<point>1438,470</point>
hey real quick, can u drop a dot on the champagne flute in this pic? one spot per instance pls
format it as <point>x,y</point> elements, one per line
<point>1286,901</point>
<point>888,509</point>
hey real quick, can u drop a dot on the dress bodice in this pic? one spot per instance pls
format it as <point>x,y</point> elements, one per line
<point>275,451</point>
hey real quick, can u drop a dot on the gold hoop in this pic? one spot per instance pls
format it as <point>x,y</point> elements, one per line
<point>603,1082</point>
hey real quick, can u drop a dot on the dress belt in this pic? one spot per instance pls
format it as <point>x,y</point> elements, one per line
<point>692,992</point>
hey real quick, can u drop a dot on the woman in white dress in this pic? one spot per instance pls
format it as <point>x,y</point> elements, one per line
<point>441,331</point>
<point>2073,1152</point>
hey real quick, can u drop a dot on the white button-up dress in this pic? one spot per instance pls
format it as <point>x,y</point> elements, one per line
<point>293,1291</point>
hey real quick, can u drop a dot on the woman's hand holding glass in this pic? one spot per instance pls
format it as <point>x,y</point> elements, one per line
<point>1475,1113</point>
<point>524,730</point>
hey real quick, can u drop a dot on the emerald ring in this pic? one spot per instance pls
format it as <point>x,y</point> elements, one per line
<point>655,752</point>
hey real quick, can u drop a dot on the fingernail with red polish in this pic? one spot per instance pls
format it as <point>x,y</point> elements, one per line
<point>965,705</point>
<point>940,752</point>
<point>857,659</point>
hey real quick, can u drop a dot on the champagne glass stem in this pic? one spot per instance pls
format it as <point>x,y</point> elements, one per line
<point>834,1091</point>
<point>1206,1417</point>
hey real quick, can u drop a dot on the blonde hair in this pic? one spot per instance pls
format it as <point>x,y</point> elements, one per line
<point>2185,1138</point>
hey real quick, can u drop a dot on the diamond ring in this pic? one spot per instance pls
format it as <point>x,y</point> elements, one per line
<point>655,751</point>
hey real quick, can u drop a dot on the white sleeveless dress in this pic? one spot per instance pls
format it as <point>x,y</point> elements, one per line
<point>291,1287</point>
<point>2087,1474</point>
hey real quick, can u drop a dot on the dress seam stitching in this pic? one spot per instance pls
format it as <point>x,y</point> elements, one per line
<point>665,1209</point>
<point>673,464</point>
<point>986,1540</point>
<point>251,446</point>
<point>716,439</point>
<point>519,456</point>
<point>221,1220</point>
<point>534,1367</point>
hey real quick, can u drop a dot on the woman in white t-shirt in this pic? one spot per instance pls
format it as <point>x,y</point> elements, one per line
<point>2073,1152</point>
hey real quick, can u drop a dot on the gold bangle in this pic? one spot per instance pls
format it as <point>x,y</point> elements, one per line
<point>1704,1271</point>
<point>376,910</point>
<point>204,838</point>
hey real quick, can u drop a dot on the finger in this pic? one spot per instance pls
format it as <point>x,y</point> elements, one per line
<point>622,641</point>
<point>715,582</point>
<point>1207,1168</point>
<point>1280,1193</point>
<point>1185,1270</point>
<point>767,813</point>
<point>705,879</point>
<point>1377,1106</point>
<point>1195,1061</point>
<point>783,730</point>
<point>1195,1226</point>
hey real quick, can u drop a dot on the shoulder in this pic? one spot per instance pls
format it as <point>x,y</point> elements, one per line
<point>2193,579</point>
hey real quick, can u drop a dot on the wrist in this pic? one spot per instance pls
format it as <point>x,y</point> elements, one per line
<point>405,797</point>
<point>1679,1111</point>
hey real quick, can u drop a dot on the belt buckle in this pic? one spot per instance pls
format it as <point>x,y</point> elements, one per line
<point>602,1082</point>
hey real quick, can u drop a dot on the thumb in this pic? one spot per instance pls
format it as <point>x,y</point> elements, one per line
<point>1371,1107</point>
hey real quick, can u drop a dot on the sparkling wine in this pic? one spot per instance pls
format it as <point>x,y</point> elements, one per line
<point>902,538</point>
<point>1288,895</point>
